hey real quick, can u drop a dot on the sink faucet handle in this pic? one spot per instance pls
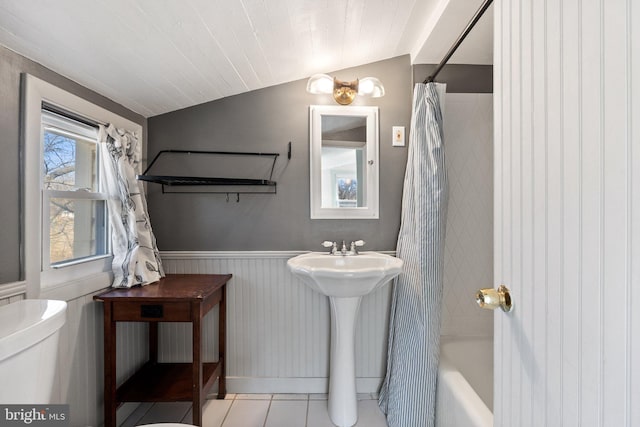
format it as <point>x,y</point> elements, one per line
<point>355,245</point>
<point>332,245</point>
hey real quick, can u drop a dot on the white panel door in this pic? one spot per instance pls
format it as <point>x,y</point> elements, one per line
<point>567,212</point>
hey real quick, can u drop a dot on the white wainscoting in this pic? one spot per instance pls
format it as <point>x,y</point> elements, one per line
<point>81,359</point>
<point>79,377</point>
<point>277,328</point>
<point>13,298</point>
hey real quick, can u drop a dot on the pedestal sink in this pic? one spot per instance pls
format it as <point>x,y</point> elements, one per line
<point>345,280</point>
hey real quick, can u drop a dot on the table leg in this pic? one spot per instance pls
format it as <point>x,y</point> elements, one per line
<point>222,340</point>
<point>196,314</point>
<point>153,342</point>
<point>110,404</point>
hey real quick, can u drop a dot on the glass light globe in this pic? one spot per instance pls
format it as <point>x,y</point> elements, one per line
<point>371,86</point>
<point>320,83</point>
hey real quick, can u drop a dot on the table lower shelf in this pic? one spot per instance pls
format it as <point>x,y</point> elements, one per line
<point>165,382</point>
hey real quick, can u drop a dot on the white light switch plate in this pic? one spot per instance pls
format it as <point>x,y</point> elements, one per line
<point>398,136</point>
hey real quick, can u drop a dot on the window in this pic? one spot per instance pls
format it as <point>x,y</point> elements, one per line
<point>65,233</point>
<point>74,227</point>
<point>347,191</point>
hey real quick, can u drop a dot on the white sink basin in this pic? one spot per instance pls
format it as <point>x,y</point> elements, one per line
<point>345,276</point>
<point>345,280</point>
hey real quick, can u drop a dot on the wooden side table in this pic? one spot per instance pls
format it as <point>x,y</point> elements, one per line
<point>175,298</point>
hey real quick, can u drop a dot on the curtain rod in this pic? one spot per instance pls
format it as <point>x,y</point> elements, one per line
<point>483,8</point>
<point>71,115</point>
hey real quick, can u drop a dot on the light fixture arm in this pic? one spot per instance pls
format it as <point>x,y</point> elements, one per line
<point>345,92</point>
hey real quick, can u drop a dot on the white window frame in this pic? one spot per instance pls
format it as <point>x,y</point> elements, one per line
<point>77,278</point>
<point>69,126</point>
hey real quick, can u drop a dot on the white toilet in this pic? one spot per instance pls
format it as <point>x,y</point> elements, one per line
<point>29,335</point>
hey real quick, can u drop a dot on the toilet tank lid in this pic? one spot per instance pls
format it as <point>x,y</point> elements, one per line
<point>27,322</point>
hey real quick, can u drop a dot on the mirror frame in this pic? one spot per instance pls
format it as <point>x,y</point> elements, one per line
<point>371,210</point>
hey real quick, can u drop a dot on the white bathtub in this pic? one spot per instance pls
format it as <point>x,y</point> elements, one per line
<point>464,395</point>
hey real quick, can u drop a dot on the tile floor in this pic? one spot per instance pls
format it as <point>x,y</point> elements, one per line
<point>258,410</point>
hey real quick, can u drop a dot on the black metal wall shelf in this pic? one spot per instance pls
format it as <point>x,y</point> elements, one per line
<point>179,184</point>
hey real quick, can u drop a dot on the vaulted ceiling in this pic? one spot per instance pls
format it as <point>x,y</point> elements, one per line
<point>155,56</point>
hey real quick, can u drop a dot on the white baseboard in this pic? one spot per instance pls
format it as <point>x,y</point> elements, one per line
<point>294,385</point>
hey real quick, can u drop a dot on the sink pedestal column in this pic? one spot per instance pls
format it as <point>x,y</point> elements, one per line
<point>343,401</point>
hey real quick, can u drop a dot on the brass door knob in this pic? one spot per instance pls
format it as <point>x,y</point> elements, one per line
<point>494,298</point>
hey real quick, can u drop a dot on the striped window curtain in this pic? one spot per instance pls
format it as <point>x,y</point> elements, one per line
<point>407,395</point>
<point>136,259</point>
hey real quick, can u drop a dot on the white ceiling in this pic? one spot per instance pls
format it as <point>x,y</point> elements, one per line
<point>155,56</point>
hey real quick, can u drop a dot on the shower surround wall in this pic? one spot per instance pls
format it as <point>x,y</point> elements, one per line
<point>468,259</point>
<point>468,130</point>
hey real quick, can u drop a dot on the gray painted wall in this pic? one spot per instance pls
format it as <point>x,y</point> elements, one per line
<point>266,120</point>
<point>460,78</point>
<point>263,120</point>
<point>11,66</point>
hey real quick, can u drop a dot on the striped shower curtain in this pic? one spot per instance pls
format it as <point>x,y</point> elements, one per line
<point>407,395</point>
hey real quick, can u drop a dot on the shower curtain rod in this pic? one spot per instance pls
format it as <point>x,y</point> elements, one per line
<point>483,8</point>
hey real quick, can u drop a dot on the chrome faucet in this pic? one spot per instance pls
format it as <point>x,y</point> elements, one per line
<point>343,250</point>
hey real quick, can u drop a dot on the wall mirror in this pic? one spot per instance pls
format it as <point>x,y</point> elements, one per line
<point>344,162</point>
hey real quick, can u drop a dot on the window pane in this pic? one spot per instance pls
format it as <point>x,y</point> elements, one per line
<point>347,192</point>
<point>76,229</point>
<point>69,163</point>
<point>342,177</point>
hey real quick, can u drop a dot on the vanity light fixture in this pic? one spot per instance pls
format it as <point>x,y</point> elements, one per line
<point>344,92</point>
